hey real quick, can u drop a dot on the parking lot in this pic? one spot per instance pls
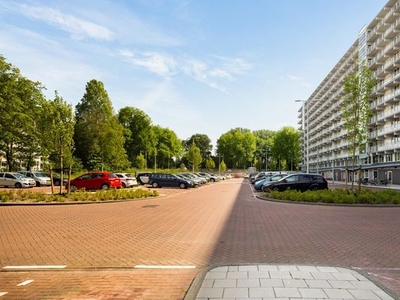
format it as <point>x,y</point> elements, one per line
<point>155,248</point>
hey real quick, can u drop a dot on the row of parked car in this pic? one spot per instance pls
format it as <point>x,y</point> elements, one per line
<point>268,182</point>
<point>107,180</point>
<point>182,180</point>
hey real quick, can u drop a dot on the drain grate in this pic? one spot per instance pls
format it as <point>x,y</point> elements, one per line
<point>150,206</point>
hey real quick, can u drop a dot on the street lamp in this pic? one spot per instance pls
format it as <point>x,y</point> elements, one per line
<point>304,110</point>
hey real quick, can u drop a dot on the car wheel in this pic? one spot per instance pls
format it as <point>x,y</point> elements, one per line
<point>182,185</point>
<point>276,189</point>
<point>72,188</point>
<point>155,185</point>
<point>18,185</point>
<point>57,182</point>
<point>104,187</point>
<point>212,179</point>
<point>124,185</point>
<point>37,183</point>
<point>314,188</point>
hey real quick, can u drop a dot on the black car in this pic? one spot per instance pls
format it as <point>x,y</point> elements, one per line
<point>301,182</point>
<point>168,180</point>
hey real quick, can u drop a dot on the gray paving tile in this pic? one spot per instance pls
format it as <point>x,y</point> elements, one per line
<point>261,292</point>
<point>224,283</point>
<point>287,292</point>
<point>236,293</point>
<point>248,283</point>
<point>312,293</point>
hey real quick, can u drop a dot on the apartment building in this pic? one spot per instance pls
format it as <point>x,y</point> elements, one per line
<point>324,139</point>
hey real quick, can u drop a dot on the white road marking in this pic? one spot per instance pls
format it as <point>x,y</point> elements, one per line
<point>164,267</point>
<point>26,282</point>
<point>3,293</point>
<point>33,267</point>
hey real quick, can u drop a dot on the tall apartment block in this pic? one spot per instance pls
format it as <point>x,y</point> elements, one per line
<point>325,145</point>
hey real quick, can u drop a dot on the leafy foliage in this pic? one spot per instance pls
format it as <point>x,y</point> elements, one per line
<point>99,138</point>
<point>339,196</point>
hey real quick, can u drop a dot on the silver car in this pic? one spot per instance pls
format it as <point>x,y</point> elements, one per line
<point>39,178</point>
<point>11,179</point>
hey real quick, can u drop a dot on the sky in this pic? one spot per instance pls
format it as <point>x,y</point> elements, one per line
<point>193,66</point>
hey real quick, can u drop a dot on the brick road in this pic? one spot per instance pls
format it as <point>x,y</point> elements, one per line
<point>219,224</point>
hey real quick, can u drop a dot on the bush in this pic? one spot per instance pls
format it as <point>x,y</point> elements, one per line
<point>338,196</point>
<point>79,196</point>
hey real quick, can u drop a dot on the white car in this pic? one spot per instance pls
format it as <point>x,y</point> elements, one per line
<point>39,178</point>
<point>11,179</point>
<point>127,180</point>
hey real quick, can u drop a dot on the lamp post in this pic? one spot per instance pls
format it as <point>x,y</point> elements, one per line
<point>266,159</point>
<point>304,110</point>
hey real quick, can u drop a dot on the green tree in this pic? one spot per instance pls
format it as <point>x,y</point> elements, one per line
<point>210,164</point>
<point>140,162</point>
<point>203,142</point>
<point>264,142</point>
<point>356,110</point>
<point>21,103</point>
<point>286,147</point>
<point>99,138</point>
<point>194,156</point>
<point>222,167</point>
<point>137,133</point>
<point>237,146</point>
<point>57,127</point>
<point>167,147</point>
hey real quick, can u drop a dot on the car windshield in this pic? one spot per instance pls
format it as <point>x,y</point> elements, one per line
<point>39,174</point>
<point>18,175</point>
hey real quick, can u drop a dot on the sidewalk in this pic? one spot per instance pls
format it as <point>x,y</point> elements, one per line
<point>262,282</point>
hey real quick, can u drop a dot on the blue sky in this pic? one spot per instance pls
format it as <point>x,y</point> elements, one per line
<point>203,66</point>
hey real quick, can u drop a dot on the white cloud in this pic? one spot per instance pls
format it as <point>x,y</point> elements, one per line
<point>158,63</point>
<point>78,28</point>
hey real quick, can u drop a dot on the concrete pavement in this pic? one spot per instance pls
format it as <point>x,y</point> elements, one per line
<point>262,282</point>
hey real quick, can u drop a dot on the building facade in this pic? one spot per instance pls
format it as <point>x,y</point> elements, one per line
<point>324,139</point>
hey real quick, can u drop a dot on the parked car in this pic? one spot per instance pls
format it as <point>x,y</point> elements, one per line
<point>143,178</point>
<point>258,184</point>
<point>95,181</point>
<point>39,177</point>
<point>127,180</point>
<point>191,176</point>
<point>260,176</point>
<point>210,177</point>
<point>12,179</point>
<point>57,178</point>
<point>168,180</point>
<point>299,181</point>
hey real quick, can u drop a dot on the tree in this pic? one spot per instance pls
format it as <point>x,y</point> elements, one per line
<point>21,103</point>
<point>57,127</point>
<point>140,162</point>
<point>264,142</point>
<point>98,136</point>
<point>167,146</point>
<point>210,164</point>
<point>194,156</point>
<point>356,110</point>
<point>203,142</point>
<point>286,147</point>
<point>137,133</point>
<point>237,146</point>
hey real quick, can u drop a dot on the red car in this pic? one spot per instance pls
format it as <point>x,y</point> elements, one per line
<point>95,181</point>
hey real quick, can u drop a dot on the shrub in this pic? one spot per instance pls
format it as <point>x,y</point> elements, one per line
<point>78,196</point>
<point>339,196</point>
